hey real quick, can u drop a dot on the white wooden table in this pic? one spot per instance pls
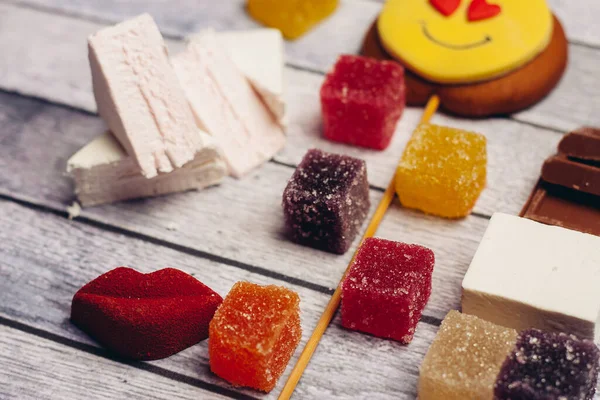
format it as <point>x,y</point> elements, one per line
<point>232,232</point>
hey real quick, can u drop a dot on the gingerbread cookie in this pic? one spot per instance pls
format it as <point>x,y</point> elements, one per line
<point>508,85</point>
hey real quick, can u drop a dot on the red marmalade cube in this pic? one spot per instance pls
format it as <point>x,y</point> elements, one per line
<point>362,100</point>
<point>387,288</point>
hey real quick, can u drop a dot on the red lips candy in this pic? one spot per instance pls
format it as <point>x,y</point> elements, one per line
<point>145,316</point>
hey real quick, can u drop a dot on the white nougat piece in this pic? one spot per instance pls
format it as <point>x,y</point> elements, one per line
<point>138,95</point>
<point>259,54</point>
<point>104,173</point>
<point>529,275</point>
<point>226,106</point>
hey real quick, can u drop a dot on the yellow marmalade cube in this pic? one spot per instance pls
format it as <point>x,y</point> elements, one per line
<point>442,171</point>
<point>292,17</point>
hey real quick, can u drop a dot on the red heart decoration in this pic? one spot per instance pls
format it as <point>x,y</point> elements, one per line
<point>145,316</point>
<point>446,7</point>
<point>481,9</point>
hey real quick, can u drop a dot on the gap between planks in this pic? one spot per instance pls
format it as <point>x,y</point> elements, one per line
<point>100,352</point>
<point>272,161</point>
<point>36,206</point>
<point>60,212</point>
<point>38,264</point>
<point>91,18</point>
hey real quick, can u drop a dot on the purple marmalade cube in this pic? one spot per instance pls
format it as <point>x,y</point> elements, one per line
<point>326,201</point>
<point>387,288</point>
<point>549,366</point>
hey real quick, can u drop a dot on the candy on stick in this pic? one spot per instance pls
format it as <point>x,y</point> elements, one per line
<point>333,304</point>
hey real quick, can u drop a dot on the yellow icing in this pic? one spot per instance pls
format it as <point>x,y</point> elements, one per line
<point>453,49</point>
<point>292,17</point>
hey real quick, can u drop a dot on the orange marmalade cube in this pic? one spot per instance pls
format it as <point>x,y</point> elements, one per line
<point>292,17</point>
<point>442,171</point>
<point>254,334</point>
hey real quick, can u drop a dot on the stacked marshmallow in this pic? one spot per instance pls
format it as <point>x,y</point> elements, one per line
<point>182,123</point>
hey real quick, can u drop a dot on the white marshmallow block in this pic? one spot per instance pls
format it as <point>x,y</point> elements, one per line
<point>530,275</point>
<point>139,97</point>
<point>104,173</point>
<point>259,54</point>
<point>226,105</point>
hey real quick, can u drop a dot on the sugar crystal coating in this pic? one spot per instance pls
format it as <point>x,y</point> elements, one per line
<point>292,17</point>
<point>362,100</point>
<point>386,289</point>
<point>326,201</point>
<point>549,366</point>
<point>254,334</point>
<point>464,359</point>
<point>442,171</point>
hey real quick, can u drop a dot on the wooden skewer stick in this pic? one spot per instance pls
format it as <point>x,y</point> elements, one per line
<point>332,306</point>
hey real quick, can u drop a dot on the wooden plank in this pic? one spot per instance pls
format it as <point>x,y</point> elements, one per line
<point>252,234</point>
<point>52,134</point>
<point>240,220</point>
<point>38,369</point>
<point>579,17</point>
<point>344,30</point>
<point>54,62</point>
<point>511,173</point>
<point>575,100</point>
<point>47,258</point>
<point>52,52</point>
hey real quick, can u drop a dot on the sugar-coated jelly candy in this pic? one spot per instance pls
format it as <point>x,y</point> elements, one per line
<point>254,334</point>
<point>549,366</point>
<point>326,201</point>
<point>464,359</point>
<point>362,100</point>
<point>386,289</point>
<point>442,171</point>
<point>292,17</point>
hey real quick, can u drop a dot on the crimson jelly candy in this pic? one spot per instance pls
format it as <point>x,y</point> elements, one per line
<point>145,316</point>
<point>254,334</point>
<point>326,201</point>
<point>387,288</point>
<point>362,100</point>
<point>548,366</point>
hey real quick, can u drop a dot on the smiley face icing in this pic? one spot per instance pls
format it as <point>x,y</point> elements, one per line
<point>465,41</point>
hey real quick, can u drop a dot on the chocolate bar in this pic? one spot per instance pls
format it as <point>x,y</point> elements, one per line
<point>568,192</point>
<point>563,171</point>
<point>557,205</point>
<point>584,144</point>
